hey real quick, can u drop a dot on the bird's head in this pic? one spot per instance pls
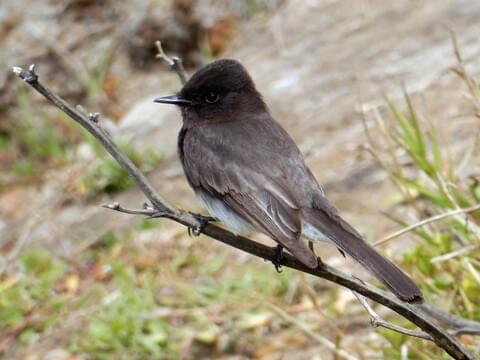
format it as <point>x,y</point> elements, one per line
<point>216,92</point>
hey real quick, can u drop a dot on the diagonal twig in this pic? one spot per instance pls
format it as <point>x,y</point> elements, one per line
<point>459,252</point>
<point>425,222</point>
<point>90,123</point>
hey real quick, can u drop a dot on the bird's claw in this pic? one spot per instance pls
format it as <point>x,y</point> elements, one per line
<point>202,222</point>
<point>277,261</point>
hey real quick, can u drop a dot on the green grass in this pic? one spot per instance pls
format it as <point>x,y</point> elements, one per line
<point>108,176</point>
<point>4,142</point>
<point>32,291</point>
<point>426,178</point>
<point>40,143</point>
<point>130,304</point>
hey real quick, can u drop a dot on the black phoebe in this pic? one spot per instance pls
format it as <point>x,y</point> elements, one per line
<point>251,175</point>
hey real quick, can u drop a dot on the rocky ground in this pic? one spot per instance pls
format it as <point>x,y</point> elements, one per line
<point>321,65</point>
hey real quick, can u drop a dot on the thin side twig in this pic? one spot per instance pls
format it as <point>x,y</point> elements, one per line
<point>174,62</point>
<point>377,321</point>
<point>410,311</point>
<point>117,207</point>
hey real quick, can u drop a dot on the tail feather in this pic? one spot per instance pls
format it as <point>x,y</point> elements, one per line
<point>337,230</point>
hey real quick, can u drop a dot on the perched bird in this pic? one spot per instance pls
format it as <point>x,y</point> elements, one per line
<point>251,175</point>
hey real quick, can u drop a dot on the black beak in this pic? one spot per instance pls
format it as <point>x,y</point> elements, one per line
<point>173,99</point>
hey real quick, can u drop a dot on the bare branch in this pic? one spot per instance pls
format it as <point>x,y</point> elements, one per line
<point>94,128</point>
<point>377,321</point>
<point>162,208</point>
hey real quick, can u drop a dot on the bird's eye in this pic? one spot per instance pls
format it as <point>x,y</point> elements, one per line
<point>212,98</point>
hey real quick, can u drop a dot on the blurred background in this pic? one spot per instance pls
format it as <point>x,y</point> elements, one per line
<point>383,100</point>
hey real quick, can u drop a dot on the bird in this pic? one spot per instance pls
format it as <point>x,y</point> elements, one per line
<point>251,175</point>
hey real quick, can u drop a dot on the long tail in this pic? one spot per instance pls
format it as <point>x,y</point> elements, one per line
<point>346,239</point>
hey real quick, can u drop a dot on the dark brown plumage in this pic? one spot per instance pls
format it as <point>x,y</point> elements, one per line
<point>251,175</point>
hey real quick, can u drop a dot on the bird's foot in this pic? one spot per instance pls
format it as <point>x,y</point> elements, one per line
<point>277,260</point>
<point>202,222</point>
<point>312,249</point>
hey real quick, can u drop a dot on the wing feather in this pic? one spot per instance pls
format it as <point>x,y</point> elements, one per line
<point>256,196</point>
